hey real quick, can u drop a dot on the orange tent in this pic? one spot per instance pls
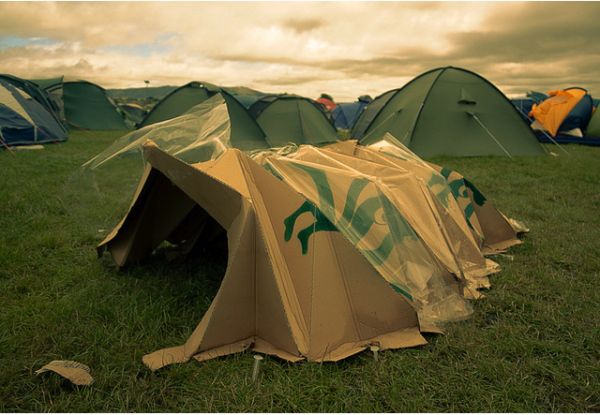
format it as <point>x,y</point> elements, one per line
<point>552,112</point>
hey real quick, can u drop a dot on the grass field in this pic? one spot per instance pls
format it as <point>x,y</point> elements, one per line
<point>532,345</point>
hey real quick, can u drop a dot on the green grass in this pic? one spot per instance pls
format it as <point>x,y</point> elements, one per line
<point>532,345</point>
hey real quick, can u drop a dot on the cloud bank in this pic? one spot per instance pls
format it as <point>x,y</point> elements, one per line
<point>345,49</point>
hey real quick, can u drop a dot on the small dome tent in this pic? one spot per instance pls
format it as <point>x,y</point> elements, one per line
<point>448,111</point>
<point>593,128</point>
<point>84,105</point>
<point>292,119</point>
<point>179,101</point>
<point>24,121</point>
<point>563,112</point>
<point>34,91</point>
<point>345,114</point>
<point>327,102</point>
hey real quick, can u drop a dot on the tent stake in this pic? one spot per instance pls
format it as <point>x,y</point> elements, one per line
<point>555,142</point>
<point>375,350</point>
<point>256,368</point>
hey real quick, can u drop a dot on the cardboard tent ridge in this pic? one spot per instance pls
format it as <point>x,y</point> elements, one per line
<point>310,293</point>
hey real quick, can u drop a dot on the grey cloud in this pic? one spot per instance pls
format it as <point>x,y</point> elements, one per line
<point>301,26</point>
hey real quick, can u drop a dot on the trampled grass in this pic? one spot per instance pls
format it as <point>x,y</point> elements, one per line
<point>532,345</point>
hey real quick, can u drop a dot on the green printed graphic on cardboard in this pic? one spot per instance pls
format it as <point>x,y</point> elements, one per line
<point>356,220</point>
<point>458,189</point>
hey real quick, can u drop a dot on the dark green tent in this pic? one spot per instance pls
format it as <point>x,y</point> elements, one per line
<point>245,96</point>
<point>448,111</point>
<point>83,105</point>
<point>593,128</point>
<point>179,101</point>
<point>292,119</point>
<point>46,83</point>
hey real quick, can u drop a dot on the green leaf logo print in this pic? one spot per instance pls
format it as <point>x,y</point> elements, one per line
<point>356,219</point>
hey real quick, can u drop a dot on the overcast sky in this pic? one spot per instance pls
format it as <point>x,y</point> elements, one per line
<point>346,49</point>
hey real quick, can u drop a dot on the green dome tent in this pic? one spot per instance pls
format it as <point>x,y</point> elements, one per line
<point>448,111</point>
<point>593,128</point>
<point>179,101</point>
<point>34,91</point>
<point>83,105</point>
<point>292,119</point>
<point>24,120</point>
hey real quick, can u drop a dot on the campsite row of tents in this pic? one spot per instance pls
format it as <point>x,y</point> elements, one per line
<point>449,111</point>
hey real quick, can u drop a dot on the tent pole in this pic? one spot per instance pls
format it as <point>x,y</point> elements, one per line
<point>547,135</point>
<point>555,142</point>
<point>412,127</point>
<point>490,134</point>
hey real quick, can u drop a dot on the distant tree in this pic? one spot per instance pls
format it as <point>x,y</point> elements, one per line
<point>147,83</point>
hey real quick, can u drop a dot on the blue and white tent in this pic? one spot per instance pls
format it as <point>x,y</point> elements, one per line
<point>24,121</point>
<point>345,114</point>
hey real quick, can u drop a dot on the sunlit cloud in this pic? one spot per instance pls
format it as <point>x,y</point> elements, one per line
<point>346,49</point>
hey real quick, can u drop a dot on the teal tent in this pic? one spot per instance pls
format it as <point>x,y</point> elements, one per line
<point>83,105</point>
<point>448,111</point>
<point>292,119</point>
<point>179,101</point>
<point>593,128</point>
<point>24,120</point>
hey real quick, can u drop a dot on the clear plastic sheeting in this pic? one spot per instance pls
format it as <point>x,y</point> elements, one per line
<point>418,224</point>
<point>201,134</point>
<point>379,210</point>
<point>494,231</point>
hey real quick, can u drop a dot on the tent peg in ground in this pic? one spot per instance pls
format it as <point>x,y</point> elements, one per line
<point>256,368</point>
<point>375,349</point>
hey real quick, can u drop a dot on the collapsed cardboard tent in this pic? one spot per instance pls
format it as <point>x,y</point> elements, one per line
<point>330,250</point>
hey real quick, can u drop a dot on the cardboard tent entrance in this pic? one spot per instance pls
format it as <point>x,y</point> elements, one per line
<point>312,273</point>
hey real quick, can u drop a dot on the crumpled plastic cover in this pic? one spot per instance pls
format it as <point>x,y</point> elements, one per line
<point>201,134</point>
<point>368,212</point>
